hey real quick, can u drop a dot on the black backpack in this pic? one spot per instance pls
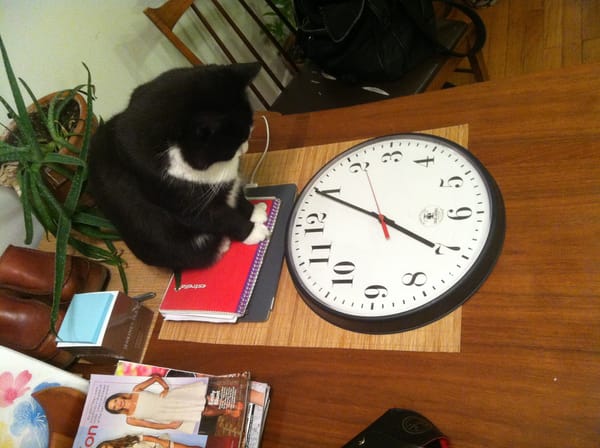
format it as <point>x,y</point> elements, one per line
<point>372,40</point>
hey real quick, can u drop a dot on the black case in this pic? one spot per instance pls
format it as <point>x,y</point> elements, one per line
<point>400,428</point>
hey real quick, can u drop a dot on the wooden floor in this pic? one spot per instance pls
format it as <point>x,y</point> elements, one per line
<point>526,36</point>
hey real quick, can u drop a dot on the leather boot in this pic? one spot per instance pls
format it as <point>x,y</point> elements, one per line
<point>25,327</point>
<point>30,273</point>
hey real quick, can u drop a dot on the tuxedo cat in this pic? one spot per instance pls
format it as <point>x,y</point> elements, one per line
<point>165,170</point>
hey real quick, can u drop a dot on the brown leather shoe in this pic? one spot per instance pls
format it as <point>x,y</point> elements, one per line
<point>30,273</point>
<point>25,327</point>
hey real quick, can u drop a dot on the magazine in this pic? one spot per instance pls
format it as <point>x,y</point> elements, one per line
<point>177,411</point>
<point>258,397</point>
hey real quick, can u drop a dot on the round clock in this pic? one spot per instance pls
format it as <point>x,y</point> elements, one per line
<point>395,233</point>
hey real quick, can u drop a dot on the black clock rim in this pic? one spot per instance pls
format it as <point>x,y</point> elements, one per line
<point>445,303</point>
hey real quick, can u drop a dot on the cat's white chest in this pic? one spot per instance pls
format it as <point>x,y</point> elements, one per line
<point>225,171</point>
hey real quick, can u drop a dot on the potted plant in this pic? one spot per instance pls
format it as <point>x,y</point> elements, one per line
<point>40,144</point>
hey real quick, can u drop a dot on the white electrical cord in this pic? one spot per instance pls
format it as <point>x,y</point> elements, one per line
<point>251,183</point>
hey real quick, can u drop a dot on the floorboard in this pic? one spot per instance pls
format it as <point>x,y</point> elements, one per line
<point>526,36</point>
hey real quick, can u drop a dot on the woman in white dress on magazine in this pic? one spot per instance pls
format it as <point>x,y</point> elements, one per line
<point>167,410</point>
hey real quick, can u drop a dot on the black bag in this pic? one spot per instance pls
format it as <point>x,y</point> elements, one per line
<point>372,40</point>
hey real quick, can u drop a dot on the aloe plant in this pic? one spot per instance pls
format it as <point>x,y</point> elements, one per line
<point>71,223</point>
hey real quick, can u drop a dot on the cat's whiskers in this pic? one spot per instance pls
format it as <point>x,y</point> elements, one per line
<point>207,195</point>
<point>207,181</point>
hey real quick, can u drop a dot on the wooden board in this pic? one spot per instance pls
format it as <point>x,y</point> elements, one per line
<point>292,323</point>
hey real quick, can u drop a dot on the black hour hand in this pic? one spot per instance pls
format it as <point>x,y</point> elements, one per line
<point>440,249</point>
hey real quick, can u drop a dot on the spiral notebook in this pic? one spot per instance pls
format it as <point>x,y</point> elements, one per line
<point>221,292</point>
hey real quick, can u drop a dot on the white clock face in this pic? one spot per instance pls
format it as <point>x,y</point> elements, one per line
<point>390,227</point>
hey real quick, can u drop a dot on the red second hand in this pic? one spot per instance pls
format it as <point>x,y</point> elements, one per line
<point>381,217</point>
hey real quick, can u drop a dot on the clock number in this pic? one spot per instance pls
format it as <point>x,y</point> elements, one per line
<point>425,162</point>
<point>414,279</point>
<point>395,156</point>
<point>452,182</point>
<point>460,213</point>
<point>320,253</point>
<point>343,268</point>
<point>375,291</point>
<point>358,167</point>
<point>314,219</point>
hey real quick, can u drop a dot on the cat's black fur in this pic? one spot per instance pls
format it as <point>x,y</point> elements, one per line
<point>173,219</point>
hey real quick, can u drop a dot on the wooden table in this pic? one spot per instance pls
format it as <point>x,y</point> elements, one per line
<point>528,373</point>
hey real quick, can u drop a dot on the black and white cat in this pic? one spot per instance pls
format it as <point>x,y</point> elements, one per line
<point>165,170</point>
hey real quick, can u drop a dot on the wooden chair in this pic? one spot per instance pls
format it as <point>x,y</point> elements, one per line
<point>309,90</point>
<point>166,17</point>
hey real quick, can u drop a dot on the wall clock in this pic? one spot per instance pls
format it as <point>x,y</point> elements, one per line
<point>395,233</point>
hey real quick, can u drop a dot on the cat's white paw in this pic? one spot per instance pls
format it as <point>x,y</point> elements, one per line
<point>259,214</point>
<point>224,247</point>
<point>259,232</point>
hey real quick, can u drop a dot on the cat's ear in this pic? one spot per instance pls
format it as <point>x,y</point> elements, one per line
<point>246,71</point>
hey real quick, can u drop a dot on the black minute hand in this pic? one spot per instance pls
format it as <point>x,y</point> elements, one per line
<point>439,248</point>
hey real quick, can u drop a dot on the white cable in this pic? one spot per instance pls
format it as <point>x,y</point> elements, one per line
<point>264,153</point>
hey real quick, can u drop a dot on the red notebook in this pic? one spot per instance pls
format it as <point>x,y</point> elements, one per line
<point>221,292</point>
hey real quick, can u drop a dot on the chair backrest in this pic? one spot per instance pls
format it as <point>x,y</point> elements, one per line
<point>169,14</point>
<point>308,89</point>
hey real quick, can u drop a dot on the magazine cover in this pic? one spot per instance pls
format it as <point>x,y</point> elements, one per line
<point>258,396</point>
<point>156,411</point>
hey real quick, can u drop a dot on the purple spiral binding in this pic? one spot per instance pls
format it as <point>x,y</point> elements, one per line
<point>258,259</point>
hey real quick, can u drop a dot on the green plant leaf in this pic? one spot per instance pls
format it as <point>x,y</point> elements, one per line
<point>64,98</point>
<point>9,109</point>
<point>120,266</point>
<point>62,242</point>
<point>53,120</point>
<point>95,232</point>
<point>38,107</point>
<point>64,159</point>
<point>61,142</point>
<point>89,118</point>
<point>92,219</point>
<point>110,257</point>
<point>39,207</point>
<point>25,181</point>
<point>12,154</point>
<point>23,121</point>
<point>63,170</point>
<point>54,207</point>
<point>81,173</point>
<point>89,250</point>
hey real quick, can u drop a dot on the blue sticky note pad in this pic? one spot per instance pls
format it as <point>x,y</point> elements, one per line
<point>86,318</point>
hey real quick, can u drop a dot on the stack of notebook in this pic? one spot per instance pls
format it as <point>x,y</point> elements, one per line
<point>246,275</point>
